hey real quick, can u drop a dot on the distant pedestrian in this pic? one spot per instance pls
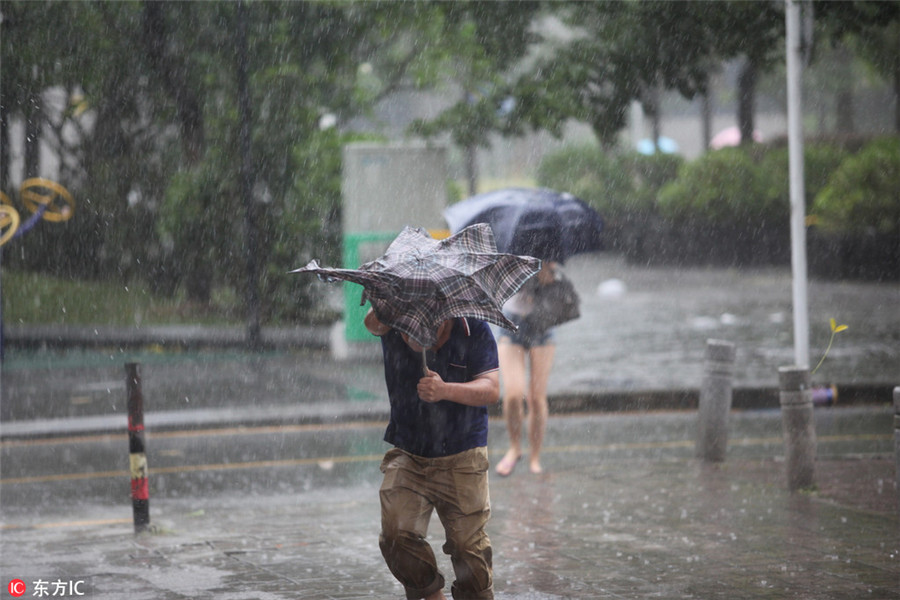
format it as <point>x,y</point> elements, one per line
<point>438,427</point>
<point>527,349</point>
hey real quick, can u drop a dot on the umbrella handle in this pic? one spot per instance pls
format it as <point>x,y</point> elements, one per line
<point>424,363</point>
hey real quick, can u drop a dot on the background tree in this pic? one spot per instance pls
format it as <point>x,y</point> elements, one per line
<point>476,44</point>
<point>621,52</point>
<point>754,33</point>
<point>624,51</point>
<point>154,164</point>
<point>871,30</point>
<point>629,51</point>
<point>157,162</point>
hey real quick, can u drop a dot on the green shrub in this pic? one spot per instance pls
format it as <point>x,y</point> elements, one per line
<point>724,187</point>
<point>648,175</point>
<point>616,185</point>
<point>586,172</point>
<point>820,161</point>
<point>863,194</point>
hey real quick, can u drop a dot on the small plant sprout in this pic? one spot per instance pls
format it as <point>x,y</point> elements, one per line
<point>835,329</point>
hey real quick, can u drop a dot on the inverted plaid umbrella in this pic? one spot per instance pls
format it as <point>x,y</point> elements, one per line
<point>421,282</point>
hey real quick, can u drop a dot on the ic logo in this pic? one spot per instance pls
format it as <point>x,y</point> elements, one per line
<point>17,588</point>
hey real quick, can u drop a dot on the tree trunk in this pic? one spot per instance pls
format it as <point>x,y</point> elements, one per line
<point>844,98</point>
<point>472,168</point>
<point>251,241</point>
<point>655,118</point>
<point>175,80</point>
<point>746,100</point>
<point>650,106</point>
<point>33,120</point>
<point>844,111</point>
<point>4,147</point>
<point>897,97</point>
<point>706,113</point>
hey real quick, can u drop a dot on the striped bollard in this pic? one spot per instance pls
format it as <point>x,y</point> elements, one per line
<point>140,488</point>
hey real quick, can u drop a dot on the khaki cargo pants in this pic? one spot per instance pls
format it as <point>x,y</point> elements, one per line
<point>457,488</point>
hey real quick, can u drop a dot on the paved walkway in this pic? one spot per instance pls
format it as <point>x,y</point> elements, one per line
<point>620,529</point>
<point>80,391</point>
<point>624,511</point>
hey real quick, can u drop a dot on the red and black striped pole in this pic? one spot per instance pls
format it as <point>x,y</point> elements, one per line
<point>140,488</point>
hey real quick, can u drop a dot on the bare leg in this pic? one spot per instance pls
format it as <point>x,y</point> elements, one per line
<point>512,370</point>
<point>538,410</point>
<point>438,595</point>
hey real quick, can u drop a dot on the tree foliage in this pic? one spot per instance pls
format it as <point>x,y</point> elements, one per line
<point>623,51</point>
<point>626,51</point>
<point>156,165</point>
<point>479,43</point>
<point>148,126</point>
<point>872,30</point>
<point>862,193</point>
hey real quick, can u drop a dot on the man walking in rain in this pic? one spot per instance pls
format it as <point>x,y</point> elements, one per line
<point>438,427</point>
<point>428,300</point>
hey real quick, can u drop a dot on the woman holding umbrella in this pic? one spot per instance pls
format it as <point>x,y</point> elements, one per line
<point>526,359</point>
<point>552,226</point>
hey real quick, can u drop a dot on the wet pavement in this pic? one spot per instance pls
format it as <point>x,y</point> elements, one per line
<point>624,509</point>
<point>641,329</point>
<point>640,344</point>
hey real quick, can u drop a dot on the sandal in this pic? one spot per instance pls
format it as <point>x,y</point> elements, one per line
<point>507,464</point>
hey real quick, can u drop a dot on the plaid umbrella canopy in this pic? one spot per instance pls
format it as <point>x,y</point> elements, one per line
<point>420,282</point>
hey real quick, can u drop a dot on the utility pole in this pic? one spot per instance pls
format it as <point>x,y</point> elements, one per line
<point>795,54</point>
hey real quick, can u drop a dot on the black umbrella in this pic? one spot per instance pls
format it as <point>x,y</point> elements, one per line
<point>420,282</point>
<point>532,221</point>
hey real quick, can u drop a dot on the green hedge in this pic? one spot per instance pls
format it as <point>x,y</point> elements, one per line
<point>863,193</point>
<point>732,206</point>
<point>820,161</point>
<point>620,187</point>
<point>722,187</point>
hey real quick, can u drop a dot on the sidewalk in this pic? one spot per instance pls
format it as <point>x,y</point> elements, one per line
<point>623,512</point>
<point>204,379</point>
<point>614,520</point>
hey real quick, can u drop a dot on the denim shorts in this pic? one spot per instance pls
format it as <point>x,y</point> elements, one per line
<point>525,336</point>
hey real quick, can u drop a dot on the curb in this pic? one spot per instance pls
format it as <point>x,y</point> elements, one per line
<point>320,413</point>
<point>689,399</point>
<point>179,336</point>
<point>343,411</point>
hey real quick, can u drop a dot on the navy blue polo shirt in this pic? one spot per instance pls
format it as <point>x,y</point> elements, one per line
<point>440,428</point>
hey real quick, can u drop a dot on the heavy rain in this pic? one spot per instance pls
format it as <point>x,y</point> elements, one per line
<point>183,417</point>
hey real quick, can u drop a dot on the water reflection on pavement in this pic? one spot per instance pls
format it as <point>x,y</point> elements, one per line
<point>641,329</point>
<point>646,328</point>
<point>623,510</point>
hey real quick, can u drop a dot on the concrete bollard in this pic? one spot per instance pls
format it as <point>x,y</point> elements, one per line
<point>715,401</point>
<point>798,426</point>
<point>897,440</point>
<point>140,487</point>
